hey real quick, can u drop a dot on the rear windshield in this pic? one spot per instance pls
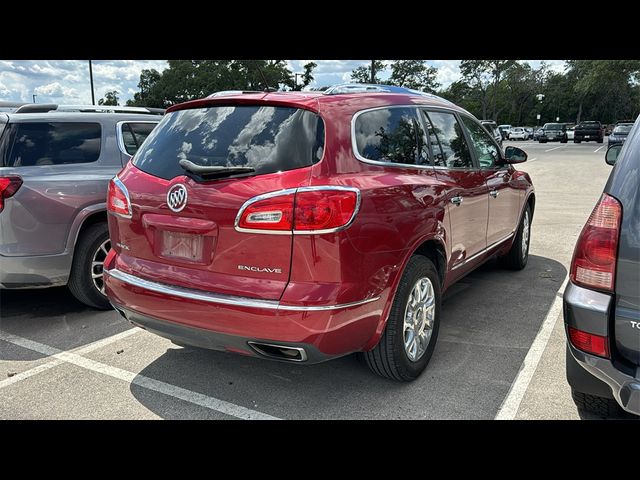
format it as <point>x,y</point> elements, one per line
<point>267,138</point>
<point>553,126</point>
<point>50,143</point>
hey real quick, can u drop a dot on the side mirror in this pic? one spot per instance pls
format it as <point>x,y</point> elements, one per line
<point>612,154</point>
<point>514,155</point>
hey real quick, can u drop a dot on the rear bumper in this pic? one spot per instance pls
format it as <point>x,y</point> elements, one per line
<point>224,322</point>
<point>590,311</point>
<point>34,271</point>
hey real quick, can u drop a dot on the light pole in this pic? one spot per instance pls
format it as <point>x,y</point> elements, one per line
<point>93,96</point>
<point>34,97</point>
<point>539,96</point>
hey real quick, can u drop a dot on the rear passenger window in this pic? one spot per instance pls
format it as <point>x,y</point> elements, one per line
<point>453,151</point>
<point>390,135</point>
<point>133,134</point>
<point>52,143</point>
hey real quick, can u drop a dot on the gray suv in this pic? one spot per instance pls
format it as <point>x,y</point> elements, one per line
<point>55,166</point>
<point>602,301</point>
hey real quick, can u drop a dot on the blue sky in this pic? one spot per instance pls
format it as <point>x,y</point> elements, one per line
<point>67,81</point>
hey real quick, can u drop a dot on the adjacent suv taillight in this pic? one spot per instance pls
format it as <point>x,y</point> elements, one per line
<point>305,210</point>
<point>589,342</point>
<point>118,201</point>
<point>594,259</point>
<point>8,187</point>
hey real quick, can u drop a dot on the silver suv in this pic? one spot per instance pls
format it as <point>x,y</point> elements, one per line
<point>55,165</point>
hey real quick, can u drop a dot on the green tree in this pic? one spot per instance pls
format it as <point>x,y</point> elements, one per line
<point>415,74</point>
<point>484,77</point>
<point>110,98</point>
<point>364,73</point>
<point>148,79</point>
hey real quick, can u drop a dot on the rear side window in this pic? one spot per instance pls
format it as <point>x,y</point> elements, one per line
<point>452,150</point>
<point>390,135</point>
<point>133,134</point>
<point>269,139</point>
<point>51,143</point>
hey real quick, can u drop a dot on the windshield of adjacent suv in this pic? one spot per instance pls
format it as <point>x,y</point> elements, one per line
<point>266,138</point>
<point>622,130</point>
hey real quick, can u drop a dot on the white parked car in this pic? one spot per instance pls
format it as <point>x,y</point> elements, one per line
<point>518,133</point>
<point>570,133</point>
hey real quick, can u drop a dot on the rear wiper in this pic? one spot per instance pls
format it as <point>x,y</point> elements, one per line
<point>205,170</point>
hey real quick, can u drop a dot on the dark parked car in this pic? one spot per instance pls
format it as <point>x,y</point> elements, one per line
<point>587,131</point>
<point>553,132</point>
<point>602,301</point>
<point>619,134</point>
<point>537,134</point>
<point>55,165</point>
<point>306,226</point>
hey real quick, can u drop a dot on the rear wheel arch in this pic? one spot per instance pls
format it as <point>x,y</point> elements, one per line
<point>434,249</point>
<point>85,219</point>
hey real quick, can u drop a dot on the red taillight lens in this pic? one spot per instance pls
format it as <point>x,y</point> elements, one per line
<point>324,209</point>
<point>275,213</point>
<point>594,259</point>
<point>308,210</point>
<point>118,201</point>
<point>8,187</point>
<point>588,342</point>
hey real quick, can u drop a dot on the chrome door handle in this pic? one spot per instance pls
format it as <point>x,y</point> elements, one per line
<point>494,193</point>
<point>457,200</point>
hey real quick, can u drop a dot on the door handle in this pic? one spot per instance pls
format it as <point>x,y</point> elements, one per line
<point>494,193</point>
<point>457,200</point>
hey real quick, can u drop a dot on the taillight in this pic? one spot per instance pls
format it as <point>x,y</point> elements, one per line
<point>118,202</point>
<point>305,210</point>
<point>594,258</point>
<point>268,212</point>
<point>8,187</point>
<point>588,342</point>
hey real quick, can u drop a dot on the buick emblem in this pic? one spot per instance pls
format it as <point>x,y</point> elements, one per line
<point>177,197</point>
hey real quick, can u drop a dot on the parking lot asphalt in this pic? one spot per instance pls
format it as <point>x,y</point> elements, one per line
<point>60,360</point>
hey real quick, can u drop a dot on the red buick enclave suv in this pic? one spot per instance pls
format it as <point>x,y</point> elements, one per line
<point>306,226</point>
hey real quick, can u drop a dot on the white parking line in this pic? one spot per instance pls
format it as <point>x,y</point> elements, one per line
<point>598,149</point>
<point>24,343</point>
<point>534,158</point>
<point>136,379</point>
<point>511,403</point>
<point>551,149</point>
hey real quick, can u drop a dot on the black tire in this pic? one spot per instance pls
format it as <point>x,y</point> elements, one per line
<point>577,141</point>
<point>515,259</point>
<point>564,140</point>
<point>389,358</point>
<point>80,281</point>
<point>600,406</point>
<point>600,140</point>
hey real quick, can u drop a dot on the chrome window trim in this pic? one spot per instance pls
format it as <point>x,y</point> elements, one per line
<point>290,191</point>
<point>120,138</point>
<point>484,250</point>
<point>223,299</point>
<point>124,190</point>
<point>354,143</point>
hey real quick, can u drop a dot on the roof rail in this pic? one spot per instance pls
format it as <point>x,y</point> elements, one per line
<point>48,107</point>
<point>378,88</point>
<point>36,108</point>
<point>224,93</point>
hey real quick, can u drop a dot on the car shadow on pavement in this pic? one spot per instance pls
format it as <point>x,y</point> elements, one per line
<point>54,317</point>
<point>489,320</point>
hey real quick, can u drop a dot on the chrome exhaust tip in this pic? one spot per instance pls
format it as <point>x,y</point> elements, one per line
<point>279,352</point>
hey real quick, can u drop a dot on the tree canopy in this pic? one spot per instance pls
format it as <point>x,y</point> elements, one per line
<point>507,91</point>
<point>110,98</point>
